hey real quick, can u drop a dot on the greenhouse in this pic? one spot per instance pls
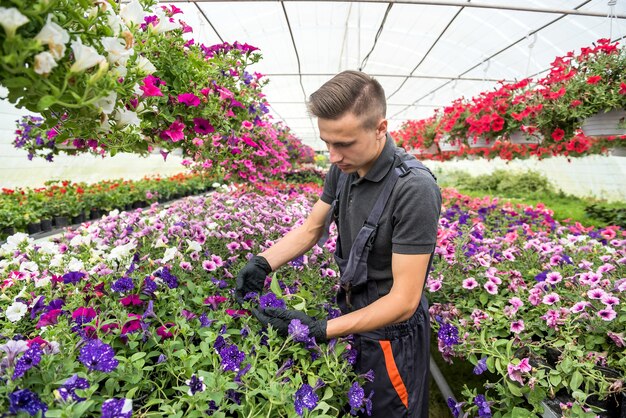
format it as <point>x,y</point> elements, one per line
<point>313,208</point>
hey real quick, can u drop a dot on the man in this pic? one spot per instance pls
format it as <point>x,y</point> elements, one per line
<point>386,206</point>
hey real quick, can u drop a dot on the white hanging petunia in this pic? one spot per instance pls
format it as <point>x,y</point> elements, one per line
<point>55,37</point>
<point>194,245</point>
<point>16,311</point>
<point>75,265</point>
<point>11,19</point>
<point>29,267</point>
<point>122,251</point>
<point>116,49</point>
<point>125,117</point>
<point>107,104</point>
<point>133,13</point>
<point>164,25</point>
<point>44,63</point>
<point>115,22</point>
<point>86,57</point>
<point>145,66</point>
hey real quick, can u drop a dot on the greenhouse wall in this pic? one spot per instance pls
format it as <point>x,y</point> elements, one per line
<point>17,171</point>
<point>603,177</point>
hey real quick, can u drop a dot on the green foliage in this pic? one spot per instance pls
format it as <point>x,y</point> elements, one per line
<point>611,214</point>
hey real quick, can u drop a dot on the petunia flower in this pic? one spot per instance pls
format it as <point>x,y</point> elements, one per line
<point>28,360</point>
<point>305,397</point>
<point>44,63</point>
<point>11,19</point>
<point>189,99</point>
<point>175,131</point>
<point>97,355</point>
<point>23,400</point>
<point>85,56</point>
<point>117,408</point>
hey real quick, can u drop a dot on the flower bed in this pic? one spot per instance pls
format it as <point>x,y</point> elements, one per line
<point>134,314</point>
<point>540,305</point>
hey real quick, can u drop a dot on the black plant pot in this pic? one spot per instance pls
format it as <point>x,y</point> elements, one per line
<point>138,204</point>
<point>9,230</point>
<point>95,214</point>
<point>46,225</point>
<point>33,227</point>
<point>128,206</point>
<point>78,219</point>
<point>61,221</point>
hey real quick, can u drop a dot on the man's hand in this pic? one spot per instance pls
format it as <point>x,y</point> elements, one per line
<point>280,319</point>
<point>252,277</point>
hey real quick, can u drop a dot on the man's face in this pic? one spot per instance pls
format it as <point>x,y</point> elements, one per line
<point>352,148</point>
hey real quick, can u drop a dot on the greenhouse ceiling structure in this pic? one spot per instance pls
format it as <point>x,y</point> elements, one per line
<point>424,53</point>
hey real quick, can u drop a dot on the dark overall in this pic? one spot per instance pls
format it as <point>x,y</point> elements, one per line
<point>398,354</point>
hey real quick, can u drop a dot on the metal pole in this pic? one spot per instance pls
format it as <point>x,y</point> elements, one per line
<point>441,382</point>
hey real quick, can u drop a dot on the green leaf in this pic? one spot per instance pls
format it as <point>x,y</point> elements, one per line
<point>555,379</point>
<point>45,102</point>
<point>275,287</point>
<point>17,82</point>
<point>576,380</point>
<point>514,389</point>
<point>137,356</point>
<point>520,413</point>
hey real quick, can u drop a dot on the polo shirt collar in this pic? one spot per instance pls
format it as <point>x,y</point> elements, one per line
<point>384,161</point>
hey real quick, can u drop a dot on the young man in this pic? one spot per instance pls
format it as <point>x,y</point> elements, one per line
<point>386,206</point>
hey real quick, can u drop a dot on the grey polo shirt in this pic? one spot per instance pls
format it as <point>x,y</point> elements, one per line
<point>408,224</point>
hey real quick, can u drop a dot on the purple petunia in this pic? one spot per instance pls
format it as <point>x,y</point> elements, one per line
<point>231,357</point>
<point>29,359</point>
<point>117,408</point>
<point>483,406</point>
<point>305,398</point>
<point>27,401</point>
<point>299,331</point>
<point>196,384</point>
<point>357,400</point>
<point>481,367</point>
<point>68,390</point>
<point>73,277</point>
<point>123,285</point>
<point>97,355</point>
<point>455,407</point>
<point>167,277</point>
<point>448,334</point>
<point>269,300</point>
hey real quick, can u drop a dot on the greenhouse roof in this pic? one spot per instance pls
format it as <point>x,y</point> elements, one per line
<point>424,53</point>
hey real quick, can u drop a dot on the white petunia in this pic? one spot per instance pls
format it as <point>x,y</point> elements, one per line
<point>170,253</point>
<point>121,251</point>
<point>11,19</point>
<point>56,260</point>
<point>126,117</point>
<point>48,247</point>
<point>42,282</point>
<point>133,13</point>
<point>194,245</point>
<point>44,63</point>
<point>16,311</point>
<point>107,104</point>
<point>13,242</point>
<point>86,56</point>
<point>115,22</point>
<point>164,25</point>
<point>29,267</point>
<point>75,265</point>
<point>145,66</point>
<point>55,37</point>
<point>116,49</point>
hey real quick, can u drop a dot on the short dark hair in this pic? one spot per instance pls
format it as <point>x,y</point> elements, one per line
<point>350,91</point>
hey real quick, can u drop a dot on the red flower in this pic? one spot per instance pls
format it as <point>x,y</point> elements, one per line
<point>622,88</point>
<point>594,79</point>
<point>558,134</point>
<point>575,103</point>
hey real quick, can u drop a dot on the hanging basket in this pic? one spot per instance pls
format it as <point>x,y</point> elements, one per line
<point>423,151</point>
<point>478,142</point>
<point>603,124</point>
<point>521,137</point>
<point>446,144</point>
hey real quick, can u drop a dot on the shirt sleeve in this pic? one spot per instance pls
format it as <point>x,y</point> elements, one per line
<point>416,215</point>
<point>330,185</point>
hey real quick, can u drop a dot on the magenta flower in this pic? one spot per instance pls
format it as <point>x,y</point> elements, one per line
<point>189,99</point>
<point>609,300</point>
<point>202,126</point>
<point>580,306</point>
<point>491,288</point>
<point>150,86</point>
<point>131,300</point>
<point>554,277</point>
<point>209,265</point>
<point>175,131</point>
<point>596,294</point>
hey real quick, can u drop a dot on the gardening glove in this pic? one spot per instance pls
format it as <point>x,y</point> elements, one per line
<point>252,277</point>
<point>280,319</point>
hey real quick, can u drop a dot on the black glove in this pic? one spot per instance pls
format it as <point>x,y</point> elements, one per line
<point>252,277</point>
<point>280,319</point>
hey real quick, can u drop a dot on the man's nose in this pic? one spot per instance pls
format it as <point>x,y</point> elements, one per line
<point>335,156</point>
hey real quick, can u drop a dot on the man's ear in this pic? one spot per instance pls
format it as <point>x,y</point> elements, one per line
<point>381,129</point>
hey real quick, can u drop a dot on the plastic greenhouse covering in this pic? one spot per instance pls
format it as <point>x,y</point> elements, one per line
<point>424,53</point>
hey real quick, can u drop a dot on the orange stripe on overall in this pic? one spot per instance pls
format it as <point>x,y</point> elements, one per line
<point>394,375</point>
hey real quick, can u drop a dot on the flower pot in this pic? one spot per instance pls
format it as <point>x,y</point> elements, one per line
<point>128,206</point>
<point>618,152</point>
<point>603,124</point>
<point>46,225</point>
<point>478,142</point>
<point>95,214</point>
<point>61,221</point>
<point>521,137</point>
<point>80,218</point>
<point>9,230</point>
<point>33,227</point>
<point>446,144</point>
<point>138,204</point>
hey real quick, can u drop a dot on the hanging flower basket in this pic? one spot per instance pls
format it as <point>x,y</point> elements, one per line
<point>478,142</point>
<point>521,137</point>
<point>448,144</point>
<point>424,151</point>
<point>603,124</point>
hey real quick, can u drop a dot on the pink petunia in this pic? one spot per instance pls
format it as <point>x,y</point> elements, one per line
<point>515,371</point>
<point>491,288</point>
<point>580,306</point>
<point>607,314</point>
<point>609,300</point>
<point>175,131</point>
<point>554,277</point>
<point>189,99</point>
<point>596,294</point>
<point>164,332</point>
<point>131,299</point>
<point>202,126</point>
<point>209,265</point>
<point>517,326</point>
<point>551,299</point>
<point>470,283</point>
